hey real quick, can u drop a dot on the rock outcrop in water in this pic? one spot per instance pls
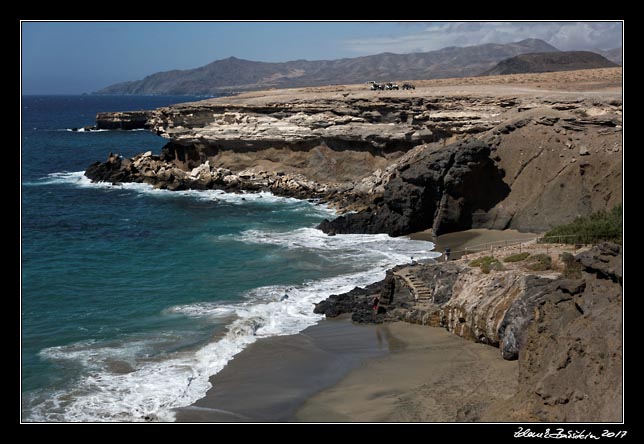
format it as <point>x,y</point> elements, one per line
<point>123,120</point>
<point>174,170</point>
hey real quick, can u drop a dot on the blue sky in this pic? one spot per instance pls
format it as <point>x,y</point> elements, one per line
<point>77,57</point>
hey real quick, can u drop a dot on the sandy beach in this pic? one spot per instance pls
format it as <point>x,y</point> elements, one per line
<point>269,380</point>
<point>472,240</point>
<point>431,376</point>
<point>339,371</point>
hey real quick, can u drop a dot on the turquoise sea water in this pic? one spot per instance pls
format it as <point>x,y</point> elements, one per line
<point>132,297</point>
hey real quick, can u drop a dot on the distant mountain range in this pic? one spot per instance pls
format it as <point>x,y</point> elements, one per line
<point>614,55</point>
<point>233,74</point>
<point>550,62</point>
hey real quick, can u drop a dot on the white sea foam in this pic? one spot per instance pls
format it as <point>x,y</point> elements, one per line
<point>365,247</point>
<point>78,178</point>
<point>91,355</point>
<point>83,130</point>
<point>149,391</point>
<point>154,386</point>
<point>204,309</point>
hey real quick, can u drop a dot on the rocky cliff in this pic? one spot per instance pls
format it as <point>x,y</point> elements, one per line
<point>565,332</point>
<point>401,161</point>
<point>514,175</point>
<point>570,366</point>
<point>445,185</point>
<point>333,142</point>
<point>125,120</point>
<point>493,308</point>
<point>446,157</point>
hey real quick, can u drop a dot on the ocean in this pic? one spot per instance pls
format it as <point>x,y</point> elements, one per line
<point>131,298</point>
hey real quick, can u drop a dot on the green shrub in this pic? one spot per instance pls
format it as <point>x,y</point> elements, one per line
<point>481,260</point>
<point>495,265</point>
<point>599,226</point>
<point>487,263</point>
<point>539,262</point>
<point>572,268</point>
<point>516,257</point>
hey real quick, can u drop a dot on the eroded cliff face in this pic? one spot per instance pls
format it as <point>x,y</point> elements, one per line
<point>570,366</point>
<point>441,188</point>
<point>401,161</point>
<point>379,123</point>
<point>408,161</point>
<point>493,309</point>
<point>515,175</point>
<point>566,333</point>
<point>553,155</point>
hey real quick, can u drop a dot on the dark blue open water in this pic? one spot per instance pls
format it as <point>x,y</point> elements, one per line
<point>133,297</point>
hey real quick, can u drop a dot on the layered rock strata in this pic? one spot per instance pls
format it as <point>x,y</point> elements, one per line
<point>493,308</point>
<point>173,171</point>
<point>566,333</point>
<point>570,365</point>
<point>123,120</point>
<point>399,162</point>
<point>513,176</point>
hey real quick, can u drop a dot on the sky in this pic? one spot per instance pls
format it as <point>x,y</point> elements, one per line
<point>82,57</point>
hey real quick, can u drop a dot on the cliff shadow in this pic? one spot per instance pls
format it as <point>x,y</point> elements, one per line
<point>473,186</point>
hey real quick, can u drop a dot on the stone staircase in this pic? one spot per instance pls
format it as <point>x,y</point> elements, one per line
<point>418,288</point>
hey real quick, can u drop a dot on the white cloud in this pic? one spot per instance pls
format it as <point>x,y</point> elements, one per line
<point>436,35</point>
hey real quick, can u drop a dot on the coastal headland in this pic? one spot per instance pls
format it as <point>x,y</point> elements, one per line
<point>517,152</point>
<point>495,152</point>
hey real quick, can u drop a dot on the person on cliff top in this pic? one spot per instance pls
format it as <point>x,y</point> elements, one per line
<point>448,251</point>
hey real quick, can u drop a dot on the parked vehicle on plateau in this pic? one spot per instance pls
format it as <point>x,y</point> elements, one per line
<point>391,86</point>
<point>376,86</point>
<point>408,86</point>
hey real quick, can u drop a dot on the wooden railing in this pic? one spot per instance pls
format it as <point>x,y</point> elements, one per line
<point>542,240</point>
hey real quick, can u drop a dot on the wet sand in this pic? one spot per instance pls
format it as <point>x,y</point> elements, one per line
<point>339,371</point>
<point>432,376</point>
<point>271,378</point>
<point>473,240</point>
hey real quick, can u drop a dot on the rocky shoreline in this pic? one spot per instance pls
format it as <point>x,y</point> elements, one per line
<point>169,171</point>
<point>562,324</point>
<point>391,162</point>
<point>408,161</point>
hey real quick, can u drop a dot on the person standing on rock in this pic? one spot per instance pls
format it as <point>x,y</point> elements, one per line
<point>375,304</point>
<point>448,251</point>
